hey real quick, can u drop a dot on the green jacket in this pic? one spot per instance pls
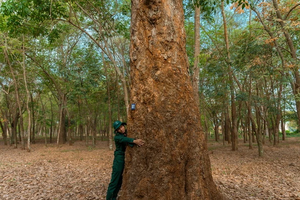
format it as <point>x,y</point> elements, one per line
<point>121,142</point>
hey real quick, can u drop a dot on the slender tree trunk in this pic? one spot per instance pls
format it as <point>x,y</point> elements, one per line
<point>270,131</point>
<point>118,96</point>
<point>296,82</point>
<point>258,134</point>
<point>293,52</point>
<point>249,129</point>
<point>206,131</point>
<point>216,129</point>
<point>259,131</point>
<point>4,136</point>
<point>227,126</point>
<point>283,127</point>
<point>278,116</point>
<point>110,136</point>
<point>18,114</point>
<point>250,112</point>
<point>21,132</point>
<point>70,138</point>
<point>14,132</point>
<point>86,133</point>
<point>33,124</point>
<point>234,132</point>
<point>223,127</point>
<point>196,69</point>
<point>80,130</point>
<point>44,122</point>
<point>51,122</point>
<point>27,101</point>
<point>174,163</point>
<point>80,116</point>
<point>7,128</point>
<point>95,130</point>
<point>61,135</point>
<point>104,46</point>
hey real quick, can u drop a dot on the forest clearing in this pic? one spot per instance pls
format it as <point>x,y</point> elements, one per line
<point>83,172</point>
<point>172,73</point>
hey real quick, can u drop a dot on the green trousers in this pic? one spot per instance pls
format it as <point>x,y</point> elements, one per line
<point>116,178</point>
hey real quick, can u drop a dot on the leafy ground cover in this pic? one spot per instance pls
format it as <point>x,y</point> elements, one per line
<point>83,172</point>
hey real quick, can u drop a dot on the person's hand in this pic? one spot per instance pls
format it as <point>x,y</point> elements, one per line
<point>139,142</point>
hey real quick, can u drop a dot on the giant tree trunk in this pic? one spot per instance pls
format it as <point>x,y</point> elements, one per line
<point>174,162</point>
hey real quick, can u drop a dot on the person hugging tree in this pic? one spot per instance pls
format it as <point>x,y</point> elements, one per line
<point>121,141</point>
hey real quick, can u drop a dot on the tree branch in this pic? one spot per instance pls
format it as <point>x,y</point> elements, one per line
<point>270,34</point>
<point>294,7</point>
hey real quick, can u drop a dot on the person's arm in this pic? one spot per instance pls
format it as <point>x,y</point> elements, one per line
<point>122,139</point>
<point>139,142</point>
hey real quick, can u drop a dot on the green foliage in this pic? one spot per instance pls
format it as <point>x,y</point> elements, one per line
<point>29,16</point>
<point>241,96</point>
<point>292,133</point>
<point>61,58</point>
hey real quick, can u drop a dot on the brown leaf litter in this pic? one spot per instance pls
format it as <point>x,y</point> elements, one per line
<point>83,172</point>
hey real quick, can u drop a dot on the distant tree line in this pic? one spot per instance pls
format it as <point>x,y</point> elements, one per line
<point>65,71</point>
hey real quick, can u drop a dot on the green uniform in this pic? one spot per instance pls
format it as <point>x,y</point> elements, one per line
<point>115,184</point>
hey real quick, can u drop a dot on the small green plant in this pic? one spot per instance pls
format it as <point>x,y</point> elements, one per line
<point>91,148</point>
<point>291,133</point>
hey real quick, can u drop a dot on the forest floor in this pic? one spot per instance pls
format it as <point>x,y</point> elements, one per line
<point>83,172</point>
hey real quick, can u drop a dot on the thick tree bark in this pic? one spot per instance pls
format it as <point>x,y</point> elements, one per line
<point>174,163</point>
